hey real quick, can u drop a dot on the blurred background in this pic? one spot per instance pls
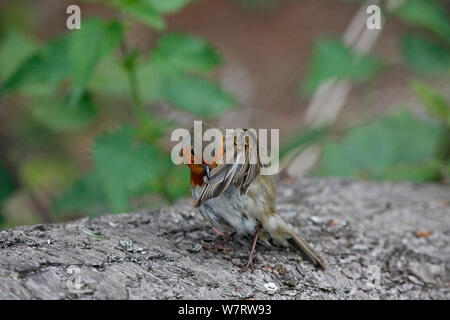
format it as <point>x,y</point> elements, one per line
<point>86,115</point>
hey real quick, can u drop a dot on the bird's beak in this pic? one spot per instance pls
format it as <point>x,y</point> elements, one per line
<point>207,172</point>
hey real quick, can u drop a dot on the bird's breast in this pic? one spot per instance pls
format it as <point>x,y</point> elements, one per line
<point>227,212</point>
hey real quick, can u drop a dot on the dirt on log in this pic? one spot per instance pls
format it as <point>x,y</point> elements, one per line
<point>379,240</point>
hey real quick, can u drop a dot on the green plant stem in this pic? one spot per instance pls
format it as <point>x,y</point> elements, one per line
<point>134,87</point>
<point>129,58</point>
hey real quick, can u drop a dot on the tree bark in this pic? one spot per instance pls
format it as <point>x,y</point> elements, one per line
<point>379,240</point>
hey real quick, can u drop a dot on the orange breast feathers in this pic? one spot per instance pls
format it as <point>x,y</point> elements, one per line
<point>198,171</point>
<point>197,174</point>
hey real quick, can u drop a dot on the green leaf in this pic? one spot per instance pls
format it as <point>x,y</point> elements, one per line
<point>331,59</point>
<point>304,139</point>
<point>151,82</point>
<point>370,151</point>
<point>428,14</point>
<point>56,63</point>
<point>65,117</point>
<point>436,104</point>
<point>29,71</point>
<point>184,53</point>
<point>95,40</point>
<point>143,10</point>
<point>174,56</point>
<point>168,6</point>
<point>177,182</point>
<point>14,49</point>
<point>109,77</point>
<point>425,56</point>
<point>49,65</point>
<point>125,166</point>
<point>196,95</point>
<point>86,195</point>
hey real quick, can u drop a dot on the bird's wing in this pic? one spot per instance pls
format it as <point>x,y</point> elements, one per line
<point>241,172</point>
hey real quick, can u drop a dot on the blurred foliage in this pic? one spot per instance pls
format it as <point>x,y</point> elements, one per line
<point>403,146</point>
<point>427,14</point>
<point>332,59</point>
<point>68,77</point>
<point>425,56</point>
<point>74,152</point>
<point>391,148</point>
<point>7,187</point>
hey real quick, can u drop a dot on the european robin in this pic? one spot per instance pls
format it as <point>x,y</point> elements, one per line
<point>236,199</point>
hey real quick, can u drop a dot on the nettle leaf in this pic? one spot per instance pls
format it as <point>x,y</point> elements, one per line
<point>143,10</point>
<point>125,166</point>
<point>65,117</point>
<point>29,71</point>
<point>184,53</point>
<point>151,82</point>
<point>109,77</point>
<point>14,49</point>
<point>196,95</point>
<point>95,40</point>
<point>331,59</point>
<point>177,183</point>
<point>428,14</point>
<point>174,57</point>
<point>303,139</point>
<point>86,195</point>
<point>372,150</point>
<point>49,64</point>
<point>169,6</point>
<point>425,56</point>
<point>436,104</point>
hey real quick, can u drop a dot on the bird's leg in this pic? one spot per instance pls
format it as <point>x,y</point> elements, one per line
<point>220,246</point>
<point>249,263</point>
<point>218,232</point>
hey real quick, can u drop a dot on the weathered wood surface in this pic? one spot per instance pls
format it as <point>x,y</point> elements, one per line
<point>360,228</point>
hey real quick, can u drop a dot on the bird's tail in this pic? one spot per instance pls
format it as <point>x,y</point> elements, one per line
<point>305,250</point>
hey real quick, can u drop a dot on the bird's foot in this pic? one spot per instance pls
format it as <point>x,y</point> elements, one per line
<point>220,245</point>
<point>244,267</point>
<point>251,256</point>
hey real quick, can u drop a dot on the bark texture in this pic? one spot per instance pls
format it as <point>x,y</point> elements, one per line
<point>379,240</point>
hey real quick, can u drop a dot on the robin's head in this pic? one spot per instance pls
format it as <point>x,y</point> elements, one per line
<point>204,151</point>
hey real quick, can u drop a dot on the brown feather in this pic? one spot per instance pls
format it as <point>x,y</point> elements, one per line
<point>238,173</point>
<point>306,252</point>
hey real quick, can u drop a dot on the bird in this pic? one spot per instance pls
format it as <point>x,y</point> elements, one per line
<point>235,198</point>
